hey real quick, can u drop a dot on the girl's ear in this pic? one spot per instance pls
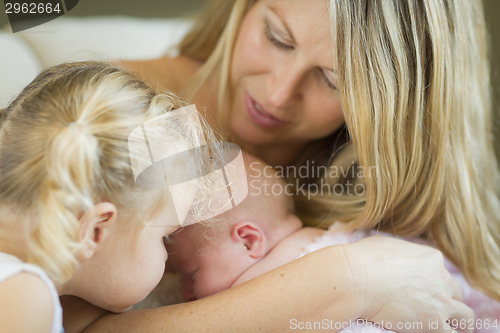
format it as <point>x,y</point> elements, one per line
<point>252,237</point>
<point>95,228</point>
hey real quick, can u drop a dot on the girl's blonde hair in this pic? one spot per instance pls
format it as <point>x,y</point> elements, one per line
<point>64,147</point>
<point>415,87</point>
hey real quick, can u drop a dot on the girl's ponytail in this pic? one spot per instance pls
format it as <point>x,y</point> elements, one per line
<point>64,148</point>
<point>72,167</point>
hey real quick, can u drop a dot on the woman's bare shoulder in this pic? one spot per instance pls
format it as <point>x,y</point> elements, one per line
<point>167,73</point>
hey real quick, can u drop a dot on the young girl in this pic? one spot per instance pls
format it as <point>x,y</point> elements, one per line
<point>73,221</point>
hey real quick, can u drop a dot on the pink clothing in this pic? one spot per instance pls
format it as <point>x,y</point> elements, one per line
<point>487,311</point>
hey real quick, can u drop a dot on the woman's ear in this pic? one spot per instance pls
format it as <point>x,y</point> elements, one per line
<point>252,237</point>
<point>95,228</point>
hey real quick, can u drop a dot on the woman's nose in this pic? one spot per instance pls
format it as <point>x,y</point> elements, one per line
<point>283,86</point>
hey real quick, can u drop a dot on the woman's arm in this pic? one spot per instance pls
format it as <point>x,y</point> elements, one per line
<point>409,287</point>
<point>164,73</point>
<point>378,278</point>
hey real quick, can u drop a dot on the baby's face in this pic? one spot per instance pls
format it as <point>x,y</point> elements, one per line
<point>206,258</point>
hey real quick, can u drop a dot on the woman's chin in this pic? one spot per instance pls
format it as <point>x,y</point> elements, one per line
<point>250,134</point>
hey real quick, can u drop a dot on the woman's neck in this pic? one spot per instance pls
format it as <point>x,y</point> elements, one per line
<point>274,155</point>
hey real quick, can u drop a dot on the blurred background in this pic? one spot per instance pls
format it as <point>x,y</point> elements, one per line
<point>185,8</point>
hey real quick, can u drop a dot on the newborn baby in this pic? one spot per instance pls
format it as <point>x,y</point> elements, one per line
<point>263,233</point>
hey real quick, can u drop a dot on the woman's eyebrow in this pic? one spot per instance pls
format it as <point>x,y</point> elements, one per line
<point>280,15</point>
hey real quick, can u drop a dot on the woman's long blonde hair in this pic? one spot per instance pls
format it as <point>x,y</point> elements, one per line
<point>416,94</point>
<point>64,147</point>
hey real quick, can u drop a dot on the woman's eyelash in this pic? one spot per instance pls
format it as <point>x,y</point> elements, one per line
<point>270,36</point>
<point>327,81</point>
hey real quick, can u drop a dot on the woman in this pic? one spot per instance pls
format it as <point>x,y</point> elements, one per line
<point>409,80</point>
<point>392,95</point>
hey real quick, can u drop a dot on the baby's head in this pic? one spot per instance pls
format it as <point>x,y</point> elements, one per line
<point>212,256</point>
<point>66,174</point>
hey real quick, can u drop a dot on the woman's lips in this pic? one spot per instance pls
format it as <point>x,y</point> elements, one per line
<point>260,115</point>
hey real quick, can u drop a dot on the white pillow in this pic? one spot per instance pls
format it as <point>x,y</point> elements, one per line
<point>24,54</point>
<point>103,38</point>
<point>18,66</point>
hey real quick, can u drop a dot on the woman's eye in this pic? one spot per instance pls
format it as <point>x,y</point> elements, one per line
<point>274,40</point>
<point>326,80</point>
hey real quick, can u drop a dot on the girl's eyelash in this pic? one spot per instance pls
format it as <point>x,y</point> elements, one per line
<point>166,239</point>
<point>270,36</point>
<point>174,232</point>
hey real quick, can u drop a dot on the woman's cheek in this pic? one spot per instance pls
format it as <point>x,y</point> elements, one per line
<point>251,50</point>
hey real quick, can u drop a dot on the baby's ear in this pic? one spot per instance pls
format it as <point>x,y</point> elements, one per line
<point>252,237</point>
<point>95,228</point>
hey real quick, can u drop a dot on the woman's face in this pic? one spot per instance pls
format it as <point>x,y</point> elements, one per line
<point>283,80</point>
